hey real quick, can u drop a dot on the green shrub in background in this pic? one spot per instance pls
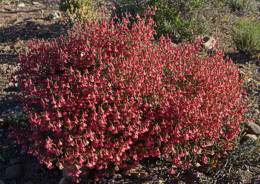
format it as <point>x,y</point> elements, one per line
<point>129,6</point>
<point>178,18</point>
<point>80,9</point>
<point>175,18</point>
<point>246,36</point>
<point>243,5</point>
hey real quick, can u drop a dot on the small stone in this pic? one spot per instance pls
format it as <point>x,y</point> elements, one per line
<point>209,43</point>
<point>9,9</point>
<point>116,168</point>
<point>197,164</point>
<point>21,5</point>
<point>54,15</point>
<point>155,178</point>
<point>198,174</point>
<point>14,171</point>
<point>143,174</point>
<point>10,84</point>
<point>253,128</point>
<point>251,137</point>
<point>36,3</point>
<point>23,152</point>
<point>161,181</point>
<point>246,176</point>
<point>6,48</point>
<point>117,176</point>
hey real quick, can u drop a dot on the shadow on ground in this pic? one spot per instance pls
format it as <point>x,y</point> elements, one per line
<point>242,58</point>
<point>32,30</point>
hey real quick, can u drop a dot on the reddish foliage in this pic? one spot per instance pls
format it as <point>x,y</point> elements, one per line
<point>110,95</point>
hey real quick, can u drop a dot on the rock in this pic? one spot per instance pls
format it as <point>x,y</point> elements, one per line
<point>143,174</point>
<point>246,176</point>
<point>10,84</point>
<point>251,137</point>
<point>197,164</point>
<point>36,3</point>
<point>117,176</point>
<point>14,171</point>
<point>21,5</point>
<point>23,152</point>
<point>2,182</point>
<point>54,15</point>
<point>209,43</point>
<point>6,48</point>
<point>9,9</point>
<point>253,128</point>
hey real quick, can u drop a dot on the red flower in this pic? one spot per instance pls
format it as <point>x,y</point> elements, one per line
<point>110,94</point>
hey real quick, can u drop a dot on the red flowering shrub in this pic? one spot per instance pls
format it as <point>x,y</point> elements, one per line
<point>110,95</point>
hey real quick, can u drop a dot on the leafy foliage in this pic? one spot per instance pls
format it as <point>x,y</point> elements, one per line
<point>79,9</point>
<point>177,19</point>
<point>243,5</point>
<point>246,36</point>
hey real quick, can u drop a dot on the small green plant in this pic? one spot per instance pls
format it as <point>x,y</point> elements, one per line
<point>246,36</point>
<point>79,9</point>
<point>177,19</point>
<point>243,5</point>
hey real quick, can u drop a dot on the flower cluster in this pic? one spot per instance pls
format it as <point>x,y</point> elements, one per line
<point>108,94</point>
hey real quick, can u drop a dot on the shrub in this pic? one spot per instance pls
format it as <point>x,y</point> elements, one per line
<point>177,19</point>
<point>246,36</point>
<point>129,6</point>
<point>109,96</point>
<point>80,9</point>
<point>243,5</point>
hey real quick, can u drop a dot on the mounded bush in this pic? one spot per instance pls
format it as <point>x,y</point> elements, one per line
<point>246,36</point>
<point>109,95</point>
<point>80,9</point>
<point>245,6</point>
<point>177,19</point>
